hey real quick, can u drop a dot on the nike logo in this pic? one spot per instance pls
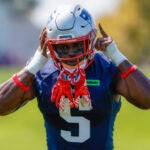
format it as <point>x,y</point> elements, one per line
<point>92,82</point>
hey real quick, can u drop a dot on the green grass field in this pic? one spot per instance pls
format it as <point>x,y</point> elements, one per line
<point>24,130</point>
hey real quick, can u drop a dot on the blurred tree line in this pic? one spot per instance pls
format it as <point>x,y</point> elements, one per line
<point>130,28</point>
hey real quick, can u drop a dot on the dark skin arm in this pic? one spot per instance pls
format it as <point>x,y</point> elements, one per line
<point>11,96</point>
<point>135,87</point>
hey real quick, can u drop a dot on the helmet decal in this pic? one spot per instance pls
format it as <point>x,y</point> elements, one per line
<point>86,16</point>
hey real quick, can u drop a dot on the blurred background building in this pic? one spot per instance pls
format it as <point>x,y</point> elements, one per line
<point>18,36</point>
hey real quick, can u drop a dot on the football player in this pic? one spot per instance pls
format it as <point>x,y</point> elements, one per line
<point>77,88</point>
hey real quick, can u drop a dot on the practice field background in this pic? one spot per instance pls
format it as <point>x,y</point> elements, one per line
<point>24,129</point>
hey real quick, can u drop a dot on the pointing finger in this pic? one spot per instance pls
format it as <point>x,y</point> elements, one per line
<point>104,34</point>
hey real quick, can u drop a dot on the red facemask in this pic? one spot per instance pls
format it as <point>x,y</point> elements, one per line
<point>72,50</point>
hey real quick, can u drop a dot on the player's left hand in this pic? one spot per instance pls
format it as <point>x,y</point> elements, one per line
<point>104,41</point>
<point>81,90</point>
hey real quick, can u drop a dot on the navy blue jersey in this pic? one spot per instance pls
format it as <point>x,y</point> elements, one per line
<point>80,129</point>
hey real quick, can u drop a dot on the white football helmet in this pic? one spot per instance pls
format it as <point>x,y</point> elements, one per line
<point>71,25</point>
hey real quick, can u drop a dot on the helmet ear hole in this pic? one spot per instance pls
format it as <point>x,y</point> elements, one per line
<point>79,8</point>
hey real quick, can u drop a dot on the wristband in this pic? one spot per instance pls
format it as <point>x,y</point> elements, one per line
<point>36,63</point>
<point>130,70</point>
<point>19,84</point>
<point>114,54</point>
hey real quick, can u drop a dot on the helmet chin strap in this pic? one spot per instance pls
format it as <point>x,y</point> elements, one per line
<point>72,70</point>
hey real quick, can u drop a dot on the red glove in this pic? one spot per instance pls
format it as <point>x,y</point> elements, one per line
<point>61,89</point>
<point>81,89</point>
